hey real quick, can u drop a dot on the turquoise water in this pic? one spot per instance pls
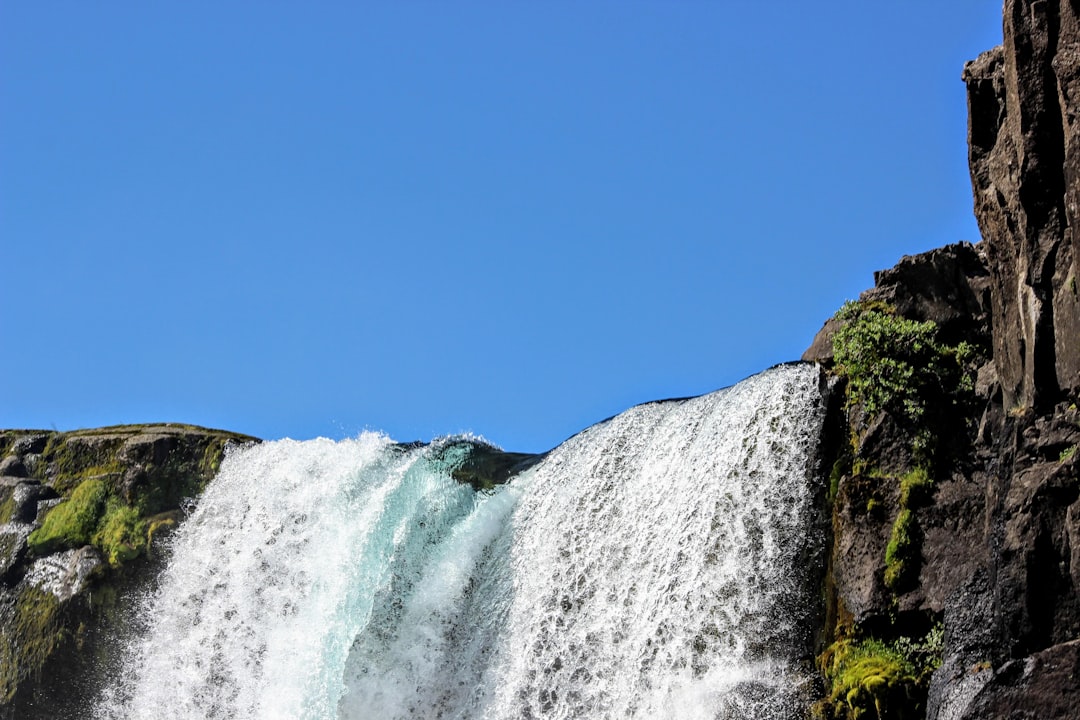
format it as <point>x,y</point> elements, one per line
<point>653,566</point>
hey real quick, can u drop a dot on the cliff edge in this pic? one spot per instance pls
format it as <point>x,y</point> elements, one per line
<point>79,515</point>
<point>954,584</point>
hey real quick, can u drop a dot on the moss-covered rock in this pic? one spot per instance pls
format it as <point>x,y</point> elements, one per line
<point>870,679</point>
<point>30,631</point>
<point>113,490</point>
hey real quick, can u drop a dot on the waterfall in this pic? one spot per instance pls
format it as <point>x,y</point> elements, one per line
<point>659,564</point>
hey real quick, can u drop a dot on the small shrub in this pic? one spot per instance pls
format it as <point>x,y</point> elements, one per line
<point>897,365</point>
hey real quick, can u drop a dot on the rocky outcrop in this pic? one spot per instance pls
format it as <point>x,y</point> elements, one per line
<point>1024,152</point>
<point>949,286</point>
<point>79,513</point>
<point>993,535</point>
<point>995,530</point>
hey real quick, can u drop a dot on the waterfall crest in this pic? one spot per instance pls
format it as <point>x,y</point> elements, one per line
<point>656,565</point>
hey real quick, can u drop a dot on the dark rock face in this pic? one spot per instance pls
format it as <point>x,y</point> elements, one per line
<point>999,535</point>
<point>949,285</point>
<point>1040,686</point>
<point>1024,152</point>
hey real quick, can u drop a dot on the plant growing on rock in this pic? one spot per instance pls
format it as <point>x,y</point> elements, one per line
<point>897,365</point>
<point>874,679</point>
<point>902,552</point>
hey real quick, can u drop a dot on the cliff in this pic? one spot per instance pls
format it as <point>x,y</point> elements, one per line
<point>953,585</point>
<point>79,515</point>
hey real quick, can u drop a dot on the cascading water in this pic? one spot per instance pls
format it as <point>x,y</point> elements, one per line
<point>657,565</point>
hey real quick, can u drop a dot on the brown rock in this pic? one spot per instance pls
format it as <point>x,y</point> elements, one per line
<point>1024,155</point>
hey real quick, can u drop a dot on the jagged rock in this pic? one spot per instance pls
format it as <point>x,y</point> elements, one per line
<point>1000,535</point>
<point>12,550</point>
<point>966,667</point>
<point>953,527</point>
<point>821,349</point>
<point>1024,155</point>
<point>864,511</point>
<point>1040,686</point>
<point>949,285</point>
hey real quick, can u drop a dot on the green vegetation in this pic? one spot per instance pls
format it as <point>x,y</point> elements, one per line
<point>122,532</point>
<point>901,553</point>
<point>36,629</point>
<point>904,549</point>
<point>7,505</point>
<point>116,491</point>
<point>896,365</point>
<point>1066,454</point>
<point>872,679</point>
<point>71,523</point>
<point>118,487</point>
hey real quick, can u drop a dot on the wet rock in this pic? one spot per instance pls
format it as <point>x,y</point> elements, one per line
<point>65,574</point>
<point>1039,686</point>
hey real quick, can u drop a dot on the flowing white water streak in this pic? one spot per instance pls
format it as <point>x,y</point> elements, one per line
<point>275,574</point>
<point>659,561</point>
<point>653,566</point>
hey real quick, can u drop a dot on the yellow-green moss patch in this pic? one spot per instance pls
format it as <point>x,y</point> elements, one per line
<point>871,679</point>
<point>7,505</point>
<point>121,534</point>
<point>73,522</point>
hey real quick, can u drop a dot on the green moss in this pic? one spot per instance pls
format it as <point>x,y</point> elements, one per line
<point>915,487</point>
<point>121,534</point>
<point>36,629</point>
<point>210,462</point>
<point>901,554</point>
<point>873,679</point>
<point>870,679</point>
<point>1064,457</point>
<point>159,525</point>
<point>73,522</point>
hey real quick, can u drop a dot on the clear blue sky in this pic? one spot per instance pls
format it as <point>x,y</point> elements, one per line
<point>510,218</point>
